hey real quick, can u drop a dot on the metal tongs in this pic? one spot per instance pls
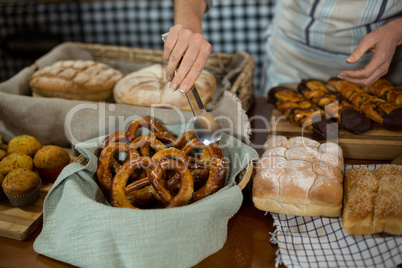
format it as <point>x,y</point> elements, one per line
<point>205,127</point>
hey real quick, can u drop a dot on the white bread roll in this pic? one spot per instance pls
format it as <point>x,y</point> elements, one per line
<point>149,86</point>
<point>373,200</point>
<point>76,80</point>
<point>299,176</point>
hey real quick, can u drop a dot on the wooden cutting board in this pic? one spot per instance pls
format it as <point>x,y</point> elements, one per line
<point>19,222</point>
<point>376,144</point>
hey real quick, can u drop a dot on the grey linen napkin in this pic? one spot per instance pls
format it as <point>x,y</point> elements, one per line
<point>80,228</point>
<point>66,122</point>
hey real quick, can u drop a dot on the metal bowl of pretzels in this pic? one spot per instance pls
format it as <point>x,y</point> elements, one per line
<point>158,170</point>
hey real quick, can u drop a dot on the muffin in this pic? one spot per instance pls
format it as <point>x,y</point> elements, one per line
<point>50,161</point>
<point>15,160</point>
<point>24,144</point>
<point>21,186</point>
<point>2,154</point>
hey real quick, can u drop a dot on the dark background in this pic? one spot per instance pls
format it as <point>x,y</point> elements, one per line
<point>29,29</point>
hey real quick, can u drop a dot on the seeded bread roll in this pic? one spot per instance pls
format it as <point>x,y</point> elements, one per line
<point>149,86</point>
<point>299,176</point>
<point>373,200</point>
<point>76,80</point>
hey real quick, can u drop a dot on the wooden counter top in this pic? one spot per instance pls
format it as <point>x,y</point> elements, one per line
<point>248,243</point>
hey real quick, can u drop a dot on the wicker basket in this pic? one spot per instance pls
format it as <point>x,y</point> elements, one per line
<point>242,87</point>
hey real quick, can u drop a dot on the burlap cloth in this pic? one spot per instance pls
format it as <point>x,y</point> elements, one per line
<point>66,122</point>
<point>80,228</point>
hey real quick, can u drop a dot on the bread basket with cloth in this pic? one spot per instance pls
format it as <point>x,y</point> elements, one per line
<point>82,229</point>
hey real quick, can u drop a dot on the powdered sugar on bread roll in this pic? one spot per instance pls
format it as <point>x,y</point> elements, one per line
<point>299,176</point>
<point>276,141</point>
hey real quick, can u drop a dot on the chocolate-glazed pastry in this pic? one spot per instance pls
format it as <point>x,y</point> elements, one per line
<point>387,114</point>
<point>384,89</point>
<point>335,106</point>
<point>304,113</point>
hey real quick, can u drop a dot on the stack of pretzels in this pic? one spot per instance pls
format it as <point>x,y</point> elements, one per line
<point>158,169</point>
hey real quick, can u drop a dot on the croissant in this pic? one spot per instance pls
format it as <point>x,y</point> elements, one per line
<point>335,106</point>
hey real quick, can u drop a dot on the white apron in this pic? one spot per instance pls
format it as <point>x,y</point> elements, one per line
<point>313,38</point>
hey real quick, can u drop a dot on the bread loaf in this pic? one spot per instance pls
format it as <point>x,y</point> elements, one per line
<point>76,80</point>
<point>299,176</point>
<point>373,200</point>
<point>149,86</point>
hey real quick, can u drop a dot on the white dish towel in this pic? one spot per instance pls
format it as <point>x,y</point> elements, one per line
<point>321,242</point>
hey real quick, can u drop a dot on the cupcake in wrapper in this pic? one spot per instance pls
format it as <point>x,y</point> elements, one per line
<point>51,174</point>
<point>49,161</point>
<point>21,186</point>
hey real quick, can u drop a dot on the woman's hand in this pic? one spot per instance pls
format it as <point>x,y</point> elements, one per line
<point>187,52</point>
<point>382,42</point>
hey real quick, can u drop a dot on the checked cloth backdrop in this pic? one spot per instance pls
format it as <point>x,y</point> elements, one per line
<point>29,29</point>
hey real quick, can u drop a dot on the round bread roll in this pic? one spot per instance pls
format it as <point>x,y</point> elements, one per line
<point>76,80</point>
<point>299,176</point>
<point>149,87</point>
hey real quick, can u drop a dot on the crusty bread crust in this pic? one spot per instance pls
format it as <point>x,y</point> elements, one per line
<point>75,79</point>
<point>148,87</point>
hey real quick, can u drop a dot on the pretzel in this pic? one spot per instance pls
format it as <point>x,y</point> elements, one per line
<point>175,142</point>
<point>141,198</point>
<point>146,122</point>
<point>200,169</point>
<point>116,137</point>
<point>158,167</point>
<point>150,140</point>
<point>186,186</point>
<point>107,161</point>
<point>172,152</point>
<point>200,177</point>
<point>143,122</point>
<point>119,190</point>
<point>218,169</point>
<point>184,138</point>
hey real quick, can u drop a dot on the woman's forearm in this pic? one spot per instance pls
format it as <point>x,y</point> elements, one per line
<point>189,14</point>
